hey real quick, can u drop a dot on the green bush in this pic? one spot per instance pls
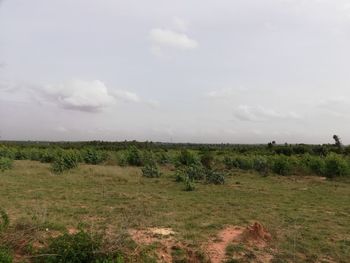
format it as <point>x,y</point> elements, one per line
<point>239,161</point>
<point>5,256</point>
<point>207,159</point>
<point>65,161</point>
<point>214,177</point>
<point>261,164</point>
<point>195,172</point>
<point>313,164</point>
<point>76,248</point>
<point>92,156</point>
<point>134,156</point>
<point>7,152</point>
<point>162,157</point>
<point>48,156</point>
<point>4,220</point>
<point>187,158</point>
<point>230,162</point>
<point>151,170</point>
<point>5,163</point>
<point>189,184</point>
<point>180,175</point>
<point>281,165</point>
<point>335,166</point>
<point>148,157</point>
<point>122,159</point>
<point>244,162</point>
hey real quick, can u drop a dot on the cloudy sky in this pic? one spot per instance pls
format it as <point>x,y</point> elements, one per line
<point>243,71</point>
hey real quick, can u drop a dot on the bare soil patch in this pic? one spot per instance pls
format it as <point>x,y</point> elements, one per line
<point>245,242</point>
<point>167,245</point>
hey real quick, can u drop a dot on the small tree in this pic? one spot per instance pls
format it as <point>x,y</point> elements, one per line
<point>337,141</point>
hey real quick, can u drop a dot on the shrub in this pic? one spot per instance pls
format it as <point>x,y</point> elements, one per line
<point>195,172</point>
<point>5,163</point>
<point>162,157</point>
<point>207,159</point>
<point>48,156</point>
<point>76,248</point>
<point>4,220</point>
<point>180,175</point>
<point>244,162</point>
<point>261,164</point>
<point>151,171</point>
<point>122,159</point>
<point>189,184</point>
<point>230,162</point>
<point>7,152</point>
<point>187,158</point>
<point>34,154</point>
<point>214,177</point>
<point>134,157</point>
<point>5,256</point>
<point>281,165</point>
<point>239,161</point>
<point>92,156</point>
<point>149,158</point>
<point>314,164</point>
<point>65,161</point>
<point>335,166</point>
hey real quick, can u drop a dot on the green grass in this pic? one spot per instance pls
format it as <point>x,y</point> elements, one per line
<point>307,217</point>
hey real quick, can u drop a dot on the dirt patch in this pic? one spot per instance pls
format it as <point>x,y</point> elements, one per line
<point>256,235</point>
<point>239,243</point>
<point>168,248</point>
<point>72,231</point>
<point>151,235</point>
<point>162,236</point>
<point>216,249</point>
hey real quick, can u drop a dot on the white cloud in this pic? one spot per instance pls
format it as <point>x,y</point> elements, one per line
<point>80,95</point>
<point>259,113</point>
<point>89,96</point>
<point>126,96</point>
<point>169,38</point>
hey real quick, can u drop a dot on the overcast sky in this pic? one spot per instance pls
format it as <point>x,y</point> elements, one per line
<point>239,71</point>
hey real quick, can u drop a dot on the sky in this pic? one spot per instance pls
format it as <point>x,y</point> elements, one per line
<point>223,71</point>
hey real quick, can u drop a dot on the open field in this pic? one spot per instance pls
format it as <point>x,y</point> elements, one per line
<point>307,217</point>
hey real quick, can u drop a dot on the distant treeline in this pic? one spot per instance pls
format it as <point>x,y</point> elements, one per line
<point>269,148</point>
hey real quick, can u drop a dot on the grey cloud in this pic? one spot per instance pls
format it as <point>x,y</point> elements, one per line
<point>86,96</point>
<point>260,114</point>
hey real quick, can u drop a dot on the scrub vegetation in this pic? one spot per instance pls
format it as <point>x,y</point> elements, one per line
<point>149,202</point>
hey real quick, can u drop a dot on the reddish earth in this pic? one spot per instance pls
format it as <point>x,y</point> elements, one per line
<point>164,237</point>
<point>217,247</point>
<point>252,236</point>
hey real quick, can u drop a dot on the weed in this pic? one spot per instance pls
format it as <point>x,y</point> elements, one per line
<point>5,256</point>
<point>151,170</point>
<point>214,177</point>
<point>76,248</point>
<point>5,221</point>
<point>65,161</point>
<point>335,166</point>
<point>5,163</point>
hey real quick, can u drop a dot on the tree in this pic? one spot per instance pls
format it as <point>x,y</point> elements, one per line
<point>337,141</point>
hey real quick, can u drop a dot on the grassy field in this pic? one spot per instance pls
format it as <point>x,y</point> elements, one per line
<point>308,217</point>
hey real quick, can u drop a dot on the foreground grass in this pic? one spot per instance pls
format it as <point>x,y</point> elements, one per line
<point>308,217</point>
